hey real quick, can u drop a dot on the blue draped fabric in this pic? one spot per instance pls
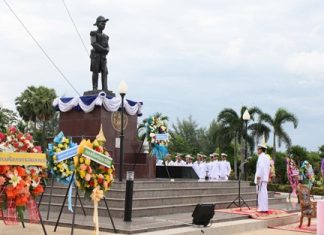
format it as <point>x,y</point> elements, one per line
<point>159,151</point>
<point>87,100</point>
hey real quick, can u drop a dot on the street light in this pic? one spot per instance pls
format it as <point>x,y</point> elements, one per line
<point>122,90</point>
<point>246,118</point>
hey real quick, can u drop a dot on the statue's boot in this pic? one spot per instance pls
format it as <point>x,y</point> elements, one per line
<point>104,82</point>
<point>95,82</point>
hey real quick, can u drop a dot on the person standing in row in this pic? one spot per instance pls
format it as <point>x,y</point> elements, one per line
<point>224,168</point>
<point>189,160</point>
<point>262,177</point>
<point>215,171</point>
<point>200,167</point>
<point>179,161</point>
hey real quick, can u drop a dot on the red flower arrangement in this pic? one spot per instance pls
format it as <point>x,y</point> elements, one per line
<point>19,185</point>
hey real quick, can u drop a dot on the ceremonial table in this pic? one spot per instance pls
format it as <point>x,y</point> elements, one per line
<point>184,172</point>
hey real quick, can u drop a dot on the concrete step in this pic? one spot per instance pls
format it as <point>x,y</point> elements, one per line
<point>150,210</point>
<point>164,192</point>
<point>156,201</point>
<point>168,184</point>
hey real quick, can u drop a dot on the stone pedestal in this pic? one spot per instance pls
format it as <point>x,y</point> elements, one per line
<point>79,124</point>
<point>96,92</point>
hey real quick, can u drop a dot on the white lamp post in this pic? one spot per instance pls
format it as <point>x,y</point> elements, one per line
<point>122,90</point>
<point>246,117</point>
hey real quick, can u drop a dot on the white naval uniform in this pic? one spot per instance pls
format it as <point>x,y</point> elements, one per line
<point>181,163</point>
<point>228,168</point>
<point>214,175</point>
<point>159,163</point>
<point>170,163</point>
<point>210,166</point>
<point>224,170</point>
<point>262,171</point>
<point>200,169</point>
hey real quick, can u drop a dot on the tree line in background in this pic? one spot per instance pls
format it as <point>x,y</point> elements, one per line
<point>226,133</point>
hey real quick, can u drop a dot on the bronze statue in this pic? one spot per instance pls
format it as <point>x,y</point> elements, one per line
<point>99,42</point>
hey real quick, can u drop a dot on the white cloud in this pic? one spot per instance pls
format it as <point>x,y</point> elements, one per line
<point>177,54</point>
<point>309,64</point>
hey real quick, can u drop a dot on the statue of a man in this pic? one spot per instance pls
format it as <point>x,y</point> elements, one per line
<point>99,42</point>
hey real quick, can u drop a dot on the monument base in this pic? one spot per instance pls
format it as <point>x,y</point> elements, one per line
<point>96,92</point>
<point>79,125</point>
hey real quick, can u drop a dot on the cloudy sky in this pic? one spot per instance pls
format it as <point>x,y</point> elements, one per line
<point>179,57</point>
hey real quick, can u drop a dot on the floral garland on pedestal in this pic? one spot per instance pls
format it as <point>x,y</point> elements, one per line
<point>156,125</point>
<point>19,185</point>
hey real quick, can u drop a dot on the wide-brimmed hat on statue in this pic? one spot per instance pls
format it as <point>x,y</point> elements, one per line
<point>100,19</point>
<point>223,154</point>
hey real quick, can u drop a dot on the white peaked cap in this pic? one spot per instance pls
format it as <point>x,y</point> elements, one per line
<point>263,144</point>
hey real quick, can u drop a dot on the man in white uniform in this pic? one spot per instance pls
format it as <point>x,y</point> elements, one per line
<point>188,160</point>
<point>214,175</point>
<point>168,161</point>
<point>179,161</point>
<point>200,167</point>
<point>224,168</point>
<point>262,177</point>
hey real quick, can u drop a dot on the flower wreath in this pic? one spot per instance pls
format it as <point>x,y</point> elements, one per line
<point>88,173</point>
<point>93,178</point>
<point>157,124</point>
<point>19,185</point>
<point>62,171</point>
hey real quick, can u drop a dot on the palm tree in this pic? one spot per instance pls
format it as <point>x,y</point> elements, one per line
<point>24,105</point>
<point>35,104</point>
<point>233,128</point>
<point>281,116</point>
<point>258,130</point>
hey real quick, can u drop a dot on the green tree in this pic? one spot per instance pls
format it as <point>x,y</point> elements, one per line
<point>35,104</point>
<point>299,154</point>
<point>321,151</point>
<point>233,129</point>
<point>281,117</point>
<point>25,105</point>
<point>7,118</point>
<point>187,132</point>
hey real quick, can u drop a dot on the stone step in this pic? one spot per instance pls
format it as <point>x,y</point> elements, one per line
<point>150,210</point>
<point>168,184</point>
<point>164,192</point>
<point>179,184</point>
<point>157,201</point>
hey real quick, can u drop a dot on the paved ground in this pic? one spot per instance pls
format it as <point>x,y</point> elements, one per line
<point>33,229</point>
<point>36,229</point>
<point>272,232</point>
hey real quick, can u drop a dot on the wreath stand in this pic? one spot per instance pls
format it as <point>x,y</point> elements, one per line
<point>50,198</point>
<point>75,204</point>
<point>40,219</point>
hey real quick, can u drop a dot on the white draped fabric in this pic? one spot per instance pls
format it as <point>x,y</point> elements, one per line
<point>110,104</point>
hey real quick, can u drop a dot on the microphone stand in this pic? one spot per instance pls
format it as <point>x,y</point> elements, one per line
<point>241,201</point>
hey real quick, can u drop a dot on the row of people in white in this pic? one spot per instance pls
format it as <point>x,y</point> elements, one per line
<point>213,170</point>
